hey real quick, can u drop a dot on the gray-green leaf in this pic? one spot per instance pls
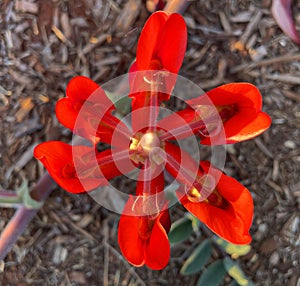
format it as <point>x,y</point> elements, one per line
<point>213,275</point>
<point>198,258</point>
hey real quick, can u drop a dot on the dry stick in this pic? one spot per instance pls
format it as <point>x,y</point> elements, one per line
<point>23,216</point>
<point>176,6</point>
<point>280,59</point>
<point>45,185</point>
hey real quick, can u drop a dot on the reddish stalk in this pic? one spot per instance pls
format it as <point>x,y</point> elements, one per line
<point>23,216</point>
<point>183,175</point>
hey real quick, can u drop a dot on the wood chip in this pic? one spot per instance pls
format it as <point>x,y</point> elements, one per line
<point>26,6</point>
<point>128,15</point>
<point>77,277</point>
<point>252,26</point>
<point>26,105</point>
<point>66,25</point>
<point>59,34</point>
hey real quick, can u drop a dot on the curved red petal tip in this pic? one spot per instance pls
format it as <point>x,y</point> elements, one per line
<point>231,222</point>
<point>157,251</point>
<point>57,157</point>
<point>132,247</point>
<point>282,13</point>
<point>149,39</point>
<point>70,109</point>
<point>153,251</point>
<point>247,122</point>
<point>80,88</point>
<point>163,39</point>
<point>172,46</point>
<point>243,94</point>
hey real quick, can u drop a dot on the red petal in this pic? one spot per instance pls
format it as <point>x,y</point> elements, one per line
<point>245,95</point>
<point>187,168</point>
<point>58,156</point>
<point>178,121</point>
<point>238,128</point>
<point>155,185</point>
<point>173,43</point>
<point>282,13</point>
<point>81,176</point>
<point>83,108</point>
<point>248,122</point>
<point>114,167</point>
<point>157,250</point>
<point>149,39</point>
<point>232,222</point>
<point>130,243</point>
<point>79,89</point>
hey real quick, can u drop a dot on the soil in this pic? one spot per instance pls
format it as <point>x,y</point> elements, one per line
<point>72,240</point>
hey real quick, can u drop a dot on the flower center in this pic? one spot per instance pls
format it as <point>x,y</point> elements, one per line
<point>148,142</point>
<point>147,145</point>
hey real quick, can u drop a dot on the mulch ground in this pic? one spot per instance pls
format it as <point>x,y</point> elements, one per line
<point>72,240</point>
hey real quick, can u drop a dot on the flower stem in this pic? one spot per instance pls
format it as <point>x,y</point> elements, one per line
<point>23,216</point>
<point>9,200</point>
<point>188,129</point>
<point>183,175</point>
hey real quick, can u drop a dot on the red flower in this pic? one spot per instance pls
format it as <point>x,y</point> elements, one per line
<point>143,239</point>
<point>86,111</point>
<point>162,43</point>
<point>161,47</point>
<point>78,169</point>
<point>82,91</point>
<point>219,201</point>
<point>228,211</point>
<point>235,106</point>
<point>231,111</point>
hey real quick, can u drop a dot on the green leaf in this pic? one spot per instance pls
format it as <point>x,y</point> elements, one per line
<point>180,230</point>
<point>24,193</point>
<point>213,275</point>
<point>122,104</point>
<point>195,222</point>
<point>234,270</point>
<point>234,250</point>
<point>198,258</point>
<point>170,193</point>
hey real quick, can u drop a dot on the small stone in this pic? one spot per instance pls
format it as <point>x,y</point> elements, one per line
<point>274,258</point>
<point>289,144</point>
<point>263,227</point>
<point>2,266</point>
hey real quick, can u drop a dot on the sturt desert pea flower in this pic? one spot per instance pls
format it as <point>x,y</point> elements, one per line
<point>82,168</point>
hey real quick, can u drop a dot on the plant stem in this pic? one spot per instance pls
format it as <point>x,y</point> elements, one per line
<point>23,216</point>
<point>9,200</point>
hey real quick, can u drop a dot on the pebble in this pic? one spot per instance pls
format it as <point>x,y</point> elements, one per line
<point>274,258</point>
<point>289,144</point>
